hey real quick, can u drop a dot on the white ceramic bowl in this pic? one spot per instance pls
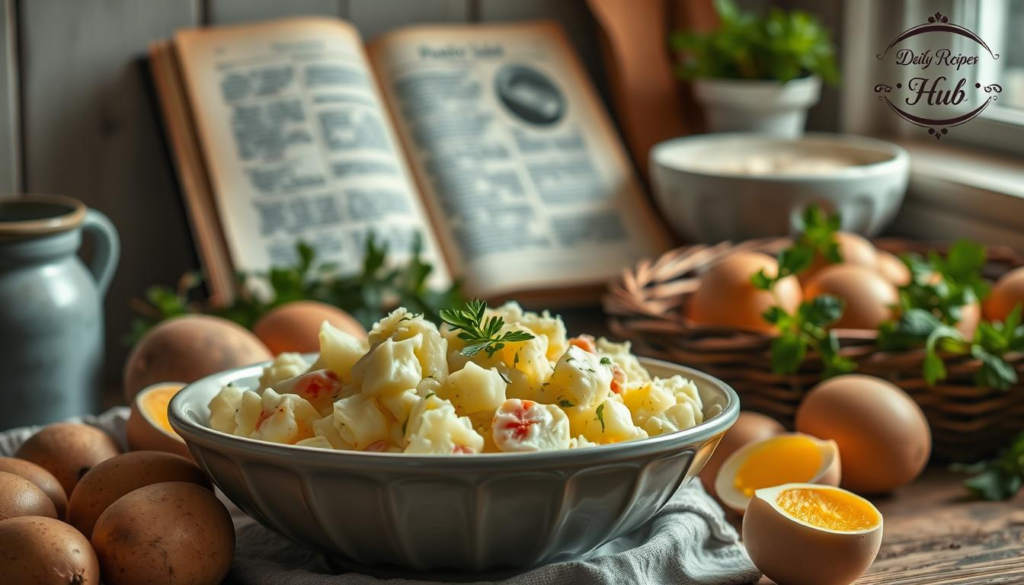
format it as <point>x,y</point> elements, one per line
<point>704,186</point>
<point>491,512</point>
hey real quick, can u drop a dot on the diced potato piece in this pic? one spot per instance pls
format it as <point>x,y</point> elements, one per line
<point>391,366</point>
<point>360,422</point>
<point>579,380</point>
<point>474,389</point>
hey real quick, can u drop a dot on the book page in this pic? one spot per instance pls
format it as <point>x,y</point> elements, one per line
<point>299,145</point>
<point>517,160</point>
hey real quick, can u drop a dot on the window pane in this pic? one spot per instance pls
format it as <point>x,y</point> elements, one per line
<point>1012,77</point>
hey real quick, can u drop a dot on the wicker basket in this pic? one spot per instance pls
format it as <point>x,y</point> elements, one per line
<point>646,305</point>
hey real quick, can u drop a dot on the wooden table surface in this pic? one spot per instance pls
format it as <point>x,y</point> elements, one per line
<point>935,533</point>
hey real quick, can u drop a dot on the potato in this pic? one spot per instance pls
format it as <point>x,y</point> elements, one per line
<point>174,528</point>
<point>119,475</point>
<point>68,451</point>
<point>21,497</point>
<point>43,479</point>
<point>45,551</point>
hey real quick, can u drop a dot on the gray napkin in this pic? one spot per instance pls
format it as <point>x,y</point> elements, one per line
<point>688,542</point>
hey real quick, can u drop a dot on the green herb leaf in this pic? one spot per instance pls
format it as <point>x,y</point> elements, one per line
<point>480,334</point>
<point>565,403</point>
<point>600,415</point>
<point>605,361</point>
<point>999,478</point>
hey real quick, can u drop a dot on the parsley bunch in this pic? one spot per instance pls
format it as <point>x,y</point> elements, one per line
<point>367,296</point>
<point>478,332</point>
<point>807,329</point>
<point>1000,478</point>
<point>817,238</point>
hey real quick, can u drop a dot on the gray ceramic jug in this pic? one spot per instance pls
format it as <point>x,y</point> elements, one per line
<point>51,315</point>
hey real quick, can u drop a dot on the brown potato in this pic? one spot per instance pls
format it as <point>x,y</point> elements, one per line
<point>119,475</point>
<point>43,479</point>
<point>44,551</point>
<point>166,528</point>
<point>21,497</point>
<point>68,451</point>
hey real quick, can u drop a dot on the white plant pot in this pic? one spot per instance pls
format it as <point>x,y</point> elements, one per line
<point>766,107</point>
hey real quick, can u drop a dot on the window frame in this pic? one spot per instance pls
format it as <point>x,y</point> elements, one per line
<point>870,25</point>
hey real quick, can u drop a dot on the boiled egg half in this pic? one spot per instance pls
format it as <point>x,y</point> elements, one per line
<point>809,534</point>
<point>786,458</point>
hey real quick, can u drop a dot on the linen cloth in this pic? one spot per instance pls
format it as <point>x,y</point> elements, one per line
<point>688,543</point>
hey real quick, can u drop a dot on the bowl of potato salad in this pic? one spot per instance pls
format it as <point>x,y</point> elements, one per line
<point>493,442</point>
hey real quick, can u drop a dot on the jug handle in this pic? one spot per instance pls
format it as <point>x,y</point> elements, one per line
<point>107,248</point>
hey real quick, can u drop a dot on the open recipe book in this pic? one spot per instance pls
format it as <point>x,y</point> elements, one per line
<point>486,140</point>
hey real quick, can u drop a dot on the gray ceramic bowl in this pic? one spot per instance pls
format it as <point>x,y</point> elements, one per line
<point>493,512</point>
<point>716,187</point>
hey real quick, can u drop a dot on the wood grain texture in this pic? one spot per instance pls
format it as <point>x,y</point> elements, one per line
<point>10,115</point>
<point>236,11</point>
<point>92,131</point>
<point>373,17</point>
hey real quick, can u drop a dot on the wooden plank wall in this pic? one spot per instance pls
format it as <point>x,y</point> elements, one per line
<point>77,115</point>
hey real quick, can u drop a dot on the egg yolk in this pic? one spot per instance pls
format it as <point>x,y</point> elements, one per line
<point>831,509</point>
<point>778,461</point>
<point>155,406</point>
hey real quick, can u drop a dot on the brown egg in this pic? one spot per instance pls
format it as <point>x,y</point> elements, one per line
<point>869,297</point>
<point>295,327</point>
<point>21,497</point>
<point>969,319</point>
<point>115,477</point>
<point>43,480</point>
<point>68,451</point>
<point>1007,293</point>
<point>188,348</point>
<point>166,528</point>
<point>807,534</point>
<point>147,428</point>
<point>892,268</point>
<point>726,296</point>
<point>883,437</point>
<point>748,428</point>
<point>44,551</point>
<point>854,249</point>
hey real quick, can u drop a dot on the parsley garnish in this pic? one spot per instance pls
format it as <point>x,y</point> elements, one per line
<point>606,362</point>
<point>808,329</point>
<point>480,333</point>
<point>600,415</point>
<point>817,237</point>
<point>428,396</point>
<point>515,360</point>
<point>505,377</point>
<point>565,403</point>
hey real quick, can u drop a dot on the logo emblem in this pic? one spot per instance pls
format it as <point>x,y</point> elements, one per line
<point>938,67</point>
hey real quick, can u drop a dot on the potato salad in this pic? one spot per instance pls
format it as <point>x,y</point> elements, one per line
<point>487,380</point>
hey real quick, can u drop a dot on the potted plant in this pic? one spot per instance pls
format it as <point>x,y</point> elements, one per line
<point>758,73</point>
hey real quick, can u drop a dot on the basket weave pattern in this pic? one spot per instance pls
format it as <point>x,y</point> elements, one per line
<point>647,303</point>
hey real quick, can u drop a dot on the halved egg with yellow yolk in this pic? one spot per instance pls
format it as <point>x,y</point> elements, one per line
<point>787,458</point>
<point>811,534</point>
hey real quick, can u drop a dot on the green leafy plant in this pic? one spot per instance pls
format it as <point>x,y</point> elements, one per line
<point>945,285</point>
<point>780,46</point>
<point>478,332</point>
<point>808,330</point>
<point>999,478</point>
<point>992,343</point>
<point>367,296</point>
<point>817,236</point>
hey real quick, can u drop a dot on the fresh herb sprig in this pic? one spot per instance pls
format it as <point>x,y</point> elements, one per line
<point>817,237</point>
<point>945,285</point>
<point>381,285</point>
<point>808,330</point>
<point>1000,478</point>
<point>992,343</point>
<point>479,332</point>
